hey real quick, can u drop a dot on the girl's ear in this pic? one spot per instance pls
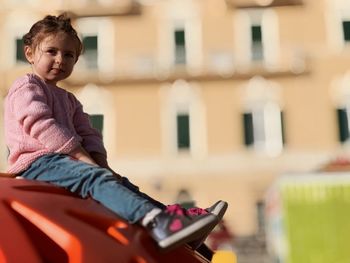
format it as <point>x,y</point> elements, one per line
<point>28,52</point>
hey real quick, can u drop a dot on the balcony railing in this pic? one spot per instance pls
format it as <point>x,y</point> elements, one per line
<point>293,62</point>
<point>96,8</point>
<point>262,3</point>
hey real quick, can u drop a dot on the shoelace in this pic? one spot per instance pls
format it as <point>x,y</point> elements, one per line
<point>195,211</point>
<point>175,209</point>
<point>178,210</point>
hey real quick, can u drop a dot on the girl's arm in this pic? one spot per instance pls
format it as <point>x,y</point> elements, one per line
<point>29,104</point>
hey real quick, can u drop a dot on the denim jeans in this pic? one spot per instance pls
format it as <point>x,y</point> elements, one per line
<point>120,196</point>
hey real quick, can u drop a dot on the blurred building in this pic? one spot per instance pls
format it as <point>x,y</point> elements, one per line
<point>212,96</point>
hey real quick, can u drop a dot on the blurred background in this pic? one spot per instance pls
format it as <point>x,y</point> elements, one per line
<point>199,100</point>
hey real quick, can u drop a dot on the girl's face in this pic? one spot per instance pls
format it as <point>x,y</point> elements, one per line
<point>54,58</point>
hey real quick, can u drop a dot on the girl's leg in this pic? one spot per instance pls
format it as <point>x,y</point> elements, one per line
<point>168,228</point>
<point>88,180</point>
<point>134,188</point>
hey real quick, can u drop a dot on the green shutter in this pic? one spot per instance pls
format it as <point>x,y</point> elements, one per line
<point>343,125</point>
<point>90,44</point>
<point>97,121</point>
<point>346,30</point>
<point>180,37</point>
<point>256,34</point>
<point>20,51</point>
<point>248,128</point>
<point>180,46</point>
<point>283,128</point>
<point>183,131</point>
<point>257,47</point>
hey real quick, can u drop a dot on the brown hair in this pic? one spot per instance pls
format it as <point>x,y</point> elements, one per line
<point>51,25</point>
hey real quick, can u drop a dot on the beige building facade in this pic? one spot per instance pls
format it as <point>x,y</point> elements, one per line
<point>215,97</point>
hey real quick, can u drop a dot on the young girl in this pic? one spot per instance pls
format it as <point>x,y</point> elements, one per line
<point>50,139</point>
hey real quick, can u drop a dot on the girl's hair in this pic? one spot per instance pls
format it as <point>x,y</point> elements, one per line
<point>51,25</point>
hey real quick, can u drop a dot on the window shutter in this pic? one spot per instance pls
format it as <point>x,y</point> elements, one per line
<point>248,128</point>
<point>283,128</point>
<point>343,125</point>
<point>183,131</point>
<point>256,34</point>
<point>180,46</point>
<point>90,44</point>
<point>346,30</point>
<point>20,57</point>
<point>97,122</point>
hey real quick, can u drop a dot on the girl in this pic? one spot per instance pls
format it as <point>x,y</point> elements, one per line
<point>50,139</point>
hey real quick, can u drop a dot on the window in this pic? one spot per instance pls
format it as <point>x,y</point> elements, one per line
<point>263,129</point>
<point>90,51</point>
<point>183,131</point>
<point>257,46</point>
<point>263,119</point>
<point>346,31</point>
<point>20,57</point>
<point>180,37</point>
<point>97,121</point>
<point>338,26</point>
<point>97,35</point>
<point>183,120</point>
<point>341,91</point>
<point>180,46</point>
<point>257,37</point>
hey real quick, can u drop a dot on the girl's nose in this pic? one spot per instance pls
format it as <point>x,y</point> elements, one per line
<point>58,59</point>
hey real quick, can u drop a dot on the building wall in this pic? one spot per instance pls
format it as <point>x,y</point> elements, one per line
<point>138,90</point>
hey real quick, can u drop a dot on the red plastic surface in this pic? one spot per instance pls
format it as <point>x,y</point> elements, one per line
<point>43,223</point>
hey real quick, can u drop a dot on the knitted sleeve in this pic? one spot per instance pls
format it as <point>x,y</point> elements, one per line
<point>29,104</point>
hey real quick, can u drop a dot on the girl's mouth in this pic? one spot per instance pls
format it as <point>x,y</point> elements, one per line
<point>56,70</point>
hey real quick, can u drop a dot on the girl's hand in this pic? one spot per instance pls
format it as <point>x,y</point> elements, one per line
<point>80,154</point>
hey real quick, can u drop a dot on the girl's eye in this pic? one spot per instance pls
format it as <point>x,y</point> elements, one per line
<point>51,51</point>
<point>70,55</point>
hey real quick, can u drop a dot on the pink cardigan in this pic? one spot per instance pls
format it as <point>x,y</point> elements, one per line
<point>41,119</point>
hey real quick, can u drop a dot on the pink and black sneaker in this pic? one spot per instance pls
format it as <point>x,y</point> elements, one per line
<point>218,210</point>
<point>173,227</point>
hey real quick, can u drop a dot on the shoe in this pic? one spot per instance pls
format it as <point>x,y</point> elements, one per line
<point>172,227</point>
<point>218,209</point>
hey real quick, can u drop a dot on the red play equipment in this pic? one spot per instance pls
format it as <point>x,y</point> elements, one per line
<point>40,222</point>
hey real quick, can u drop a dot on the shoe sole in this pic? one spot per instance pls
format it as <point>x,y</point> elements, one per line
<point>189,233</point>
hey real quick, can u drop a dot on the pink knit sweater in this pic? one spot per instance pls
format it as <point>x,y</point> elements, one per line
<point>41,119</point>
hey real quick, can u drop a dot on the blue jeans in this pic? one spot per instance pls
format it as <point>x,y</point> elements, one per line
<point>120,196</point>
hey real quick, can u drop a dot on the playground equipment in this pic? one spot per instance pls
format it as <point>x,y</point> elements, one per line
<point>40,222</point>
